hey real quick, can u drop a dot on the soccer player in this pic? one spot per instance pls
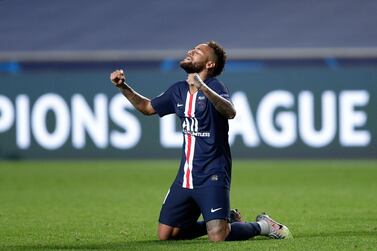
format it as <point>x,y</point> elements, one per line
<point>202,185</point>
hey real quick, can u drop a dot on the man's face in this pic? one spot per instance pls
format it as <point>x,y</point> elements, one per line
<point>196,59</point>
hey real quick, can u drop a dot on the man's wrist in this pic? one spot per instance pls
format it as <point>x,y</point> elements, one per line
<point>123,85</point>
<point>203,87</point>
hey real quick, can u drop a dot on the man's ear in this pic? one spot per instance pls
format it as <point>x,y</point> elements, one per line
<point>210,65</point>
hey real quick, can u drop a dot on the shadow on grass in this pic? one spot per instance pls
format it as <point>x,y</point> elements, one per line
<point>196,244</point>
<point>126,245</point>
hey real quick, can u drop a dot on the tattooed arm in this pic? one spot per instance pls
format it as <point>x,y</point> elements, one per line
<point>223,106</point>
<point>140,102</point>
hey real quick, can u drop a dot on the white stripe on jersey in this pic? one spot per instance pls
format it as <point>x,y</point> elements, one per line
<point>191,125</point>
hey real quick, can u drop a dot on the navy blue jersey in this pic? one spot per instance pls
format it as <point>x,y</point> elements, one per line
<point>206,158</point>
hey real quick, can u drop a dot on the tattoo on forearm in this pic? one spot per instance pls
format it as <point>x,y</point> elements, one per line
<point>225,108</point>
<point>137,100</point>
<point>222,105</point>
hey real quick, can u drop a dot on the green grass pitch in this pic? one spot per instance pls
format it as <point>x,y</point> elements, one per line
<point>114,205</point>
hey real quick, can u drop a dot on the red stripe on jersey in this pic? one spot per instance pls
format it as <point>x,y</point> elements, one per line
<point>187,160</point>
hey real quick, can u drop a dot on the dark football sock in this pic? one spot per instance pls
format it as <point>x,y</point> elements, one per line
<point>194,231</point>
<point>243,231</point>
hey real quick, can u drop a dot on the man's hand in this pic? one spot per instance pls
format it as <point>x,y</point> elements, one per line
<point>140,102</point>
<point>195,80</point>
<point>198,82</point>
<point>118,78</point>
<point>225,107</point>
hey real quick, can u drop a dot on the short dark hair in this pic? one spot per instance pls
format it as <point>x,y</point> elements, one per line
<point>220,57</point>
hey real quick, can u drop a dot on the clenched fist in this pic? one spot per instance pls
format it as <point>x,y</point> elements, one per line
<point>195,80</point>
<point>118,78</point>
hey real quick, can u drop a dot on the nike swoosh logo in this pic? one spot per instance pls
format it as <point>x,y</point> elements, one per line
<point>215,210</point>
<point>179,105</point>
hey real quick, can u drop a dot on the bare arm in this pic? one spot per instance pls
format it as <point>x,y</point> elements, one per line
<point>223,106</point>
<point>140,102</point>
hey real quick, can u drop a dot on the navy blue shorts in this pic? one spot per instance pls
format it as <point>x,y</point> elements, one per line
<point>182,207</point>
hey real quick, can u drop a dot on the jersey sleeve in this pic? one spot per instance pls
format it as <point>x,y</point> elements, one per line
<point>163,103</point>
<point>221,89</point>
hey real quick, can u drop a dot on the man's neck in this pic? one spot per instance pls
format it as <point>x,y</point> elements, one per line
<point>203,75</point>
<point>192,89</point>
